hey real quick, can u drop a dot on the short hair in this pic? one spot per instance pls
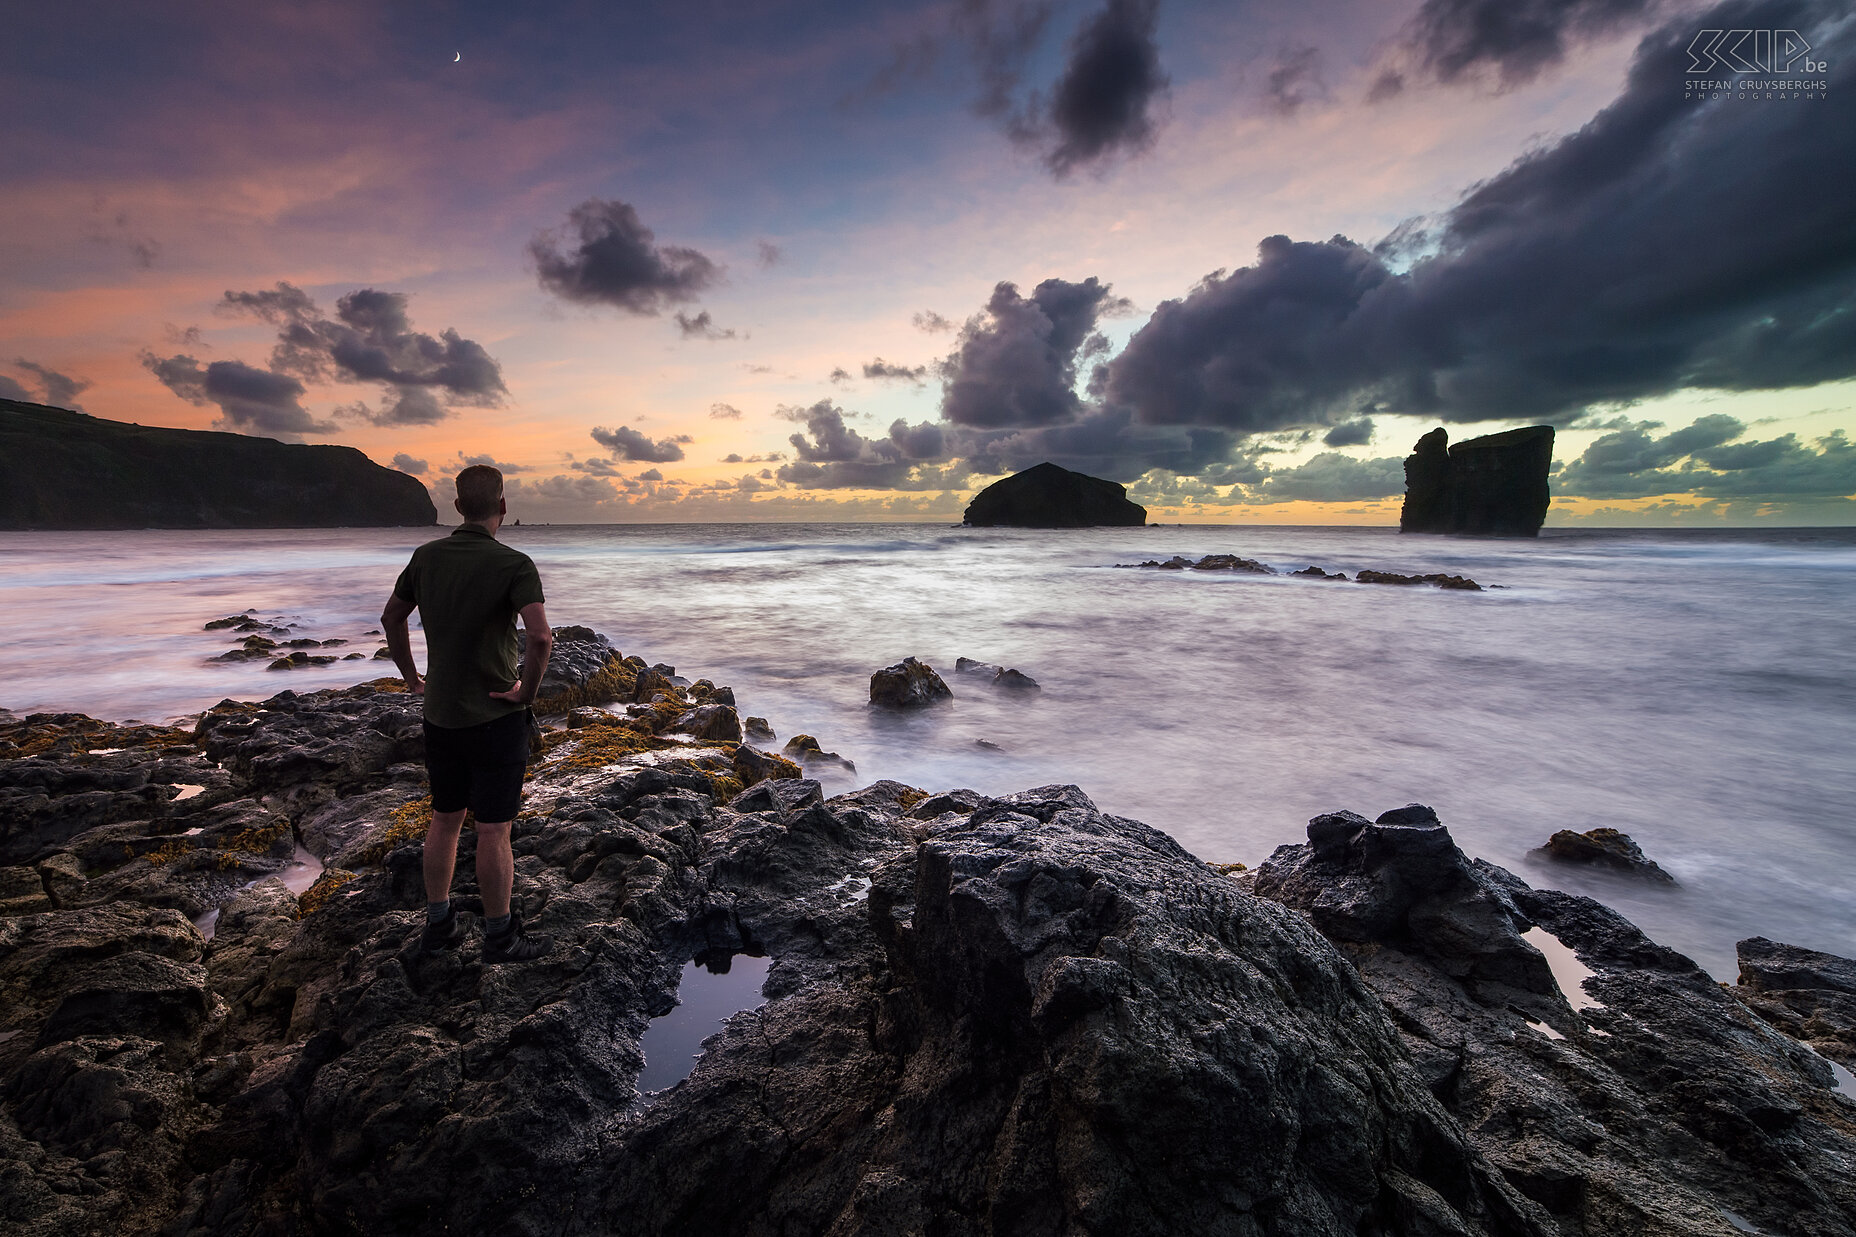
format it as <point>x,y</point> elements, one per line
<point>480,489</point>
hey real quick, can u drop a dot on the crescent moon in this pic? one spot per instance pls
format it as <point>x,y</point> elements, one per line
<point>457,58</point>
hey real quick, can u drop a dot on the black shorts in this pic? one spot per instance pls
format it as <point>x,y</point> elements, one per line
<point>478,767</point>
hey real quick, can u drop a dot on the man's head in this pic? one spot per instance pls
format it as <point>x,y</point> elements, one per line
<point>480,493</point>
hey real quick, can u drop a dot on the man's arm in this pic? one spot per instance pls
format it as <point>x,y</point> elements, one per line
<point>399,641</point>
<point>538,644</point>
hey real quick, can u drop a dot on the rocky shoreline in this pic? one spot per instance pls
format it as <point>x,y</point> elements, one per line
<point>1012,1015</point>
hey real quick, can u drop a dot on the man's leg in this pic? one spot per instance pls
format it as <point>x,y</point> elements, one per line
<point>496,868</point>
<point>441,854</point>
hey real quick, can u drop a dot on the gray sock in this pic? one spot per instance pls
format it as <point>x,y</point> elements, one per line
<point>495,925</point>
<point>435,912</point>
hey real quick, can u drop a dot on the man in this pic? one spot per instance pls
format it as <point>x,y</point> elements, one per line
<point>468,589</point>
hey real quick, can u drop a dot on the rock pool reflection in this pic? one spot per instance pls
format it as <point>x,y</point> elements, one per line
<point>705,1000</point>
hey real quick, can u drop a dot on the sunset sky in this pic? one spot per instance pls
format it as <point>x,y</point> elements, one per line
<point>790,261</point>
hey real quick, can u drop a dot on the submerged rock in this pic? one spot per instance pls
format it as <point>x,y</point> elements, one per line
<point>805,750</point>
<point>1605,848</point>
<point>909,684</point>
<point>1047,496</point>
<point>996,676</point>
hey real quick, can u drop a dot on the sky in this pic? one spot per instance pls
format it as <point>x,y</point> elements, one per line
<point>815,261</point>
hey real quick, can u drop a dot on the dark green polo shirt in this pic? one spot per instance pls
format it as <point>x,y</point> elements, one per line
<point>469,587</point>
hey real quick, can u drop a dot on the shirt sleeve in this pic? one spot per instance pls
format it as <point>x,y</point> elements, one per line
<point>407,586</point>
<point>525,589</point>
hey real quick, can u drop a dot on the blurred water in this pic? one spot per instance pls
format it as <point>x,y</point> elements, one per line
<point>1691,688</point>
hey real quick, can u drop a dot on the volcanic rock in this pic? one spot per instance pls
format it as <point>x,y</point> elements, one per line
<point>1046,496</point>
<point>805,750</point>
<point>909,684</point>
<point>1493,486</point>
<point>996,676</point>
<point>1606,848</point>
<point>1807,994</point>
<point>984,1016</point>
<point>1659,1108</point>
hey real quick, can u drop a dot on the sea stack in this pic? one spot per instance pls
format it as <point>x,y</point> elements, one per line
<point>1493,486</point>
<point>1051,497</point>
<point>63,469</point>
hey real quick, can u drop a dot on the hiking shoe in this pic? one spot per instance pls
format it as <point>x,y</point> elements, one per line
<point>447,933</point>
<point>515,945</point>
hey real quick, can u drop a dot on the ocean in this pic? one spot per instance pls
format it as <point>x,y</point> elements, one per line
<point>1694,689</point>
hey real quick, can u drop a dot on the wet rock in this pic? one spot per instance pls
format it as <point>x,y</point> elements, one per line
<point>1658,1109</point>
<point>1606,848</point>
<point>1232,562</point>
<point>1493,486</point>
<point>995,676</point>
<point>1439,579</point>
<point>1809,995</point>
<point>1320,573</point>
<point>715,722</point>
<point>1016,681</point>
<point>805,750</point>
<point>758,730</point>
<point>909,684</point>
<point>1046,496</point>
<point>300,659</point>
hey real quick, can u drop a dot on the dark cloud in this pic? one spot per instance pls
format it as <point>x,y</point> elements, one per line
<point>1703,459</point>
<point>832,455</point>
<point>724,412</point>
<point>771,457</point>
<point>1016,362</point>
<point>597,466</point>
<point>487,461</point>
<point>371,339</point>
<point>768,253</point>
<point>1104,442</point>
<point>930,321</point>
<point>1515,39</point>
<point>604,255</point>
<point>1350,433</point>
<point>650,474</point>
<point>407,464</point>
<point>1000,39</point>
<point>10,389</point>
<point>702,326</point>
<point>1294,80</point>
<point>839,374</point>
<point>1102,104</point>
<point>60,390</point>
<point>183,337</point>
<point>258,401</point>
<point>886,371</point>
<point>1329,478</point>
<point>403,406</point>
<point>563,488</point>
<point>1671,243</point>
<point>626,443</point>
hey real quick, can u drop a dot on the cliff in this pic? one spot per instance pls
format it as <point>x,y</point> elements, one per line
<point>1047,496</point>
<point>985,1016</point>
<point>1493,486</point>
<point>61,469</point>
